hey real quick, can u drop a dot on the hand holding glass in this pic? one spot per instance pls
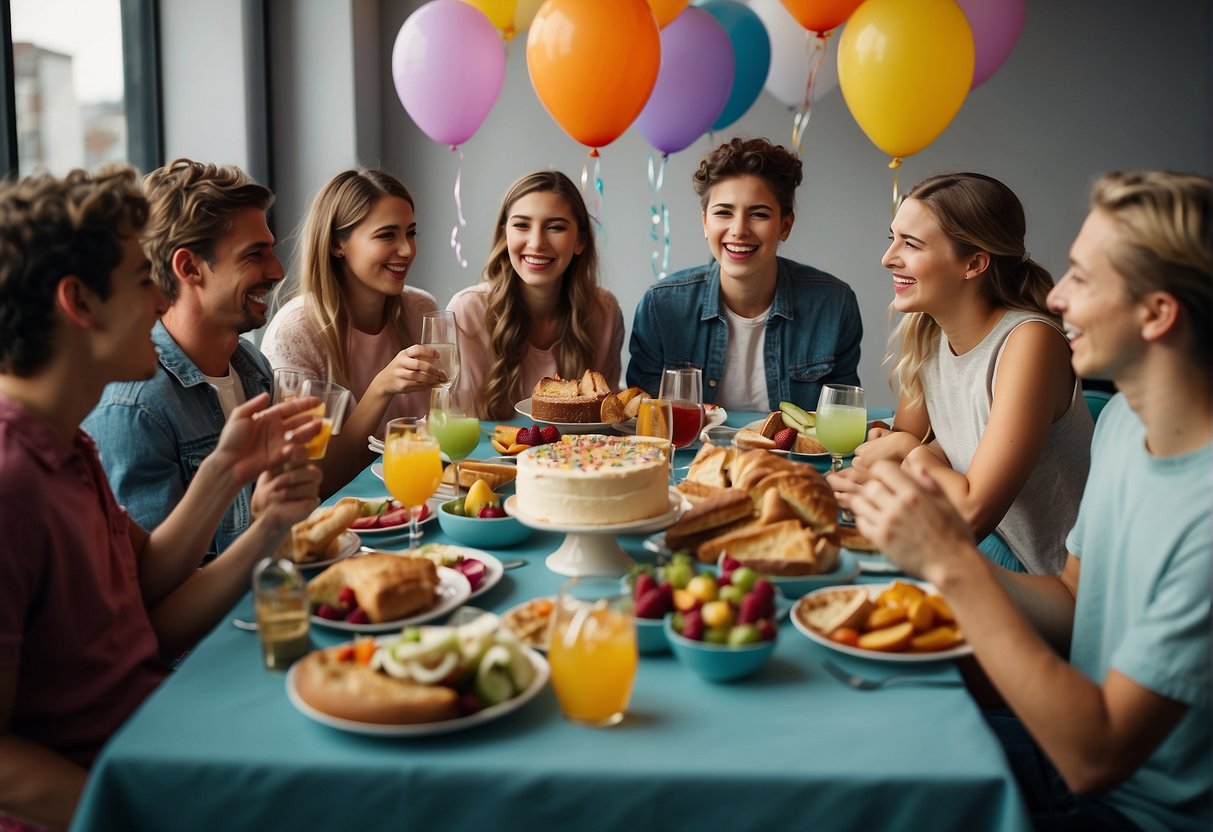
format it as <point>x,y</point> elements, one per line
<point>593,651</point>
<point>438,333</point>
<point>454,424</point>
<point>331,411</point>
<point>682,387</point>
<point>412,468</point>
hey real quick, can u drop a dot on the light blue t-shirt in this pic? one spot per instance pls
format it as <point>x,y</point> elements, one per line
<point>1145,537</point>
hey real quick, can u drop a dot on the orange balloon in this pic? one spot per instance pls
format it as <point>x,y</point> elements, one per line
<point>594,64</point>
<point>667,10</point>
<point>821,15</point>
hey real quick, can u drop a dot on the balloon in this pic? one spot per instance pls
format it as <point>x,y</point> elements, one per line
<point>905,67</point>
<point>996,26</point>
<point>666,10</point>
<point>751,56</point>
<point>792,51</point>
<point>593,64</point>
<point>821,15</point>
<point>448,65</point>
<point>510,16</point>
<point>693,84</point>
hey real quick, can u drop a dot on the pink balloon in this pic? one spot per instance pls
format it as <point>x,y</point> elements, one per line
<point>448,65</point>
<point>996,26</point>
<point>693,83</point>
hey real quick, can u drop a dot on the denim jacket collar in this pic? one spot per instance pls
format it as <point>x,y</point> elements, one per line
<point>181,367</point>
<point>781,306</point>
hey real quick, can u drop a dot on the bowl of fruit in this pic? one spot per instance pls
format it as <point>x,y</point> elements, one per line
<point>723,627</point>
<point>478,520</point>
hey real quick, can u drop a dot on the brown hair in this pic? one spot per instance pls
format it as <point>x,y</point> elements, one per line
<point>776,164</point>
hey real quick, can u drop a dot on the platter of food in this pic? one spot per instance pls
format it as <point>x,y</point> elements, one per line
<point>523,408</point>
<point>347,543</point>
<point>421,682</point>
<point>380,592</point>
<point>529,622</point>
<point>482,570</point>
<point>902,621</point>
<point>385,515</point>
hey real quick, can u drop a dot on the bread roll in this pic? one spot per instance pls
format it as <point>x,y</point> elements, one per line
<point>808,494</point>
<point>352,691</point>
<point>387,587</point>
<point>315,538</point>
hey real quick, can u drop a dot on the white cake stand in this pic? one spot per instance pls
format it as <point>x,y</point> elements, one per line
<point>593,550</point>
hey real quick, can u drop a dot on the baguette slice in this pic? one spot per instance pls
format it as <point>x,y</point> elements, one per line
<point>745,438</point>
<point>806,444</point>
<point>611,410</point>
<point>351,691</point>
<point>828,609</point>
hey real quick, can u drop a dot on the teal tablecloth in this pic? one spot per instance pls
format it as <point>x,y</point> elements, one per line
<point>219,746</point>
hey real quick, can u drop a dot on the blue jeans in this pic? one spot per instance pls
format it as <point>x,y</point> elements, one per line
<point>1054,808</point>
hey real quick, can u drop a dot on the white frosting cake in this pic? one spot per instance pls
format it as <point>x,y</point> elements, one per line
<point>592,480</point>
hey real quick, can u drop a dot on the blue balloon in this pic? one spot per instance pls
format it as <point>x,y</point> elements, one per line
<point>751,53</point>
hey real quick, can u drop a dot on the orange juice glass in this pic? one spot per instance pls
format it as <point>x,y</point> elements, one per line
<point>593,651</point>
<point>412,468</point>
<point>331,412</point>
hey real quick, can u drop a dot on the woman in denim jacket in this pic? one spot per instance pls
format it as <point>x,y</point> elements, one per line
<point>762,328</point>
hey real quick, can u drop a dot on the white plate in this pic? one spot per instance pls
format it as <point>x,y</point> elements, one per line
<point>874,563</point>
<point>676,508</point>
<point>399,527</point>
<point>874,590</point>
<point>425,729</point>
<point>517,608</point>
<point>349,545</point>
<point>453,590</point>
<point>523,408</point>
<point>493,570</point>
<point>713,416</point>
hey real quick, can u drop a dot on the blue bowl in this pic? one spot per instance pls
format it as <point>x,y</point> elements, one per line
<point>650,636</point>
<point>717,662</point>
<point>481,532</point>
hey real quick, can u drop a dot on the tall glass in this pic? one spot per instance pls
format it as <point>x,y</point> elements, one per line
<point>842,420</point>
<point>334,399</point>
<point>412,468</point>
<point>593,650</point>
<point>453,422</point>
<point>288,382</point>
<point>655,418</point>
<point>280,601</point>
<point>682,387</point>
<point>438,333</point>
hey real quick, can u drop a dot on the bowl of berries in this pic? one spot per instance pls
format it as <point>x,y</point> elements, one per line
<point>478,520</point>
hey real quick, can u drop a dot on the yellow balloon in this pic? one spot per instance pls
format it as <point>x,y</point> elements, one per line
<point>905,67</point>
<point>509,16</point>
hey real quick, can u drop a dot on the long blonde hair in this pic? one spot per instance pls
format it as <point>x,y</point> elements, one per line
<point>977,213</point>
<point>339,206</point>
<point>506,314</point>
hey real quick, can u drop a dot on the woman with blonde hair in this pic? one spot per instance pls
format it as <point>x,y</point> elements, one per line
<point>354,321</point>
<point>989,404</point>
<point>538,310</point>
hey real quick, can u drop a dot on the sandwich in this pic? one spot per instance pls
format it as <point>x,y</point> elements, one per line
<point>387,587</point>
<point>783,548</point>
<point>318,537</point>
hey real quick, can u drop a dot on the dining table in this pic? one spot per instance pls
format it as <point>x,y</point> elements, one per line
<point>219,746</point>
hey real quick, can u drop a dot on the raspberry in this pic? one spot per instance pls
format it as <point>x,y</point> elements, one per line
<point>785,439</point>
<point>346,598</point>
<point>357,616</point>
<point>549,434</point>
<point>328,612</point>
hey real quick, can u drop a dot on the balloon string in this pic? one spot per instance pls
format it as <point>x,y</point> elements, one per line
<point>460,221</point>
<point>800,124</point>
<point>660,217</point>
<point>595,199</point>
<point>895,166</point>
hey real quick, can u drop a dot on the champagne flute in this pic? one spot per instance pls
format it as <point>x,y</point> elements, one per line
<point>412,468</point>
<point>682,387</point>
<point>453,422</point>
<point>438,333</point>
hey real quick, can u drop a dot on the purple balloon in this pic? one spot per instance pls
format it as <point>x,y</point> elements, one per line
<point>693,83</point>
<point>996,26</point>
<point>448,65</point>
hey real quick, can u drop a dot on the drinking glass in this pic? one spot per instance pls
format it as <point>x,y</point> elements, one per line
<point>593,650</point>
<point>655,419</point>
<point>453,422</point>
<point>438,333</point>
<point>281,603</point>
<point>331,412</point>
<point>412,468</point>
<point>288,383</point>
<point>682,387</point>
<point>842,421</point>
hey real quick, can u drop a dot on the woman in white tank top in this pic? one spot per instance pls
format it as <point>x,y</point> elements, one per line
<point>989,405</point>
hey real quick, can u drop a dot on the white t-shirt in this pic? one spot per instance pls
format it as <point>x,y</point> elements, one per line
<point>229,390</point>
<point>743,384</point>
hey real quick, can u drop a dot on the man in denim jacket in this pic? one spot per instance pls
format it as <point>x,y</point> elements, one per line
<point>212,254</point>
<point>763,329</point>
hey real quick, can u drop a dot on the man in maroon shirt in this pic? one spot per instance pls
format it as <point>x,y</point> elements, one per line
<point>91,605</point>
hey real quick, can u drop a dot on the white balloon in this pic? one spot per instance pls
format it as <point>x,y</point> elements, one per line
<point>793,48</point>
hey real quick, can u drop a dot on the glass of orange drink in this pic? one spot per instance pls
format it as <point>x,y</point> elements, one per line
<point>593,650</point>
<point>331,412</point>
<point>412,467</point>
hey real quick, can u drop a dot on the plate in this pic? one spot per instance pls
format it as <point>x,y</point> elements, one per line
<point>493,570</point>
<point>398,527</point>
<point>791,454</point>
<point>453,590</point>
<point>531,630</point>
<point>349,545</point>
<point>791,586</point>
<point>714,416</point>
<point>636,527</point>
<point>523,408</point>
<point>425,729</point>
<point>874,563</point>
<point>911,658</point>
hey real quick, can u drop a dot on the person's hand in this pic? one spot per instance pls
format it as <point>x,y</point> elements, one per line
<point>884,444</point>
<point>283,499</point>
<point>905,514</point>
<point>412,370</point>
<point>257,438</point>
<point>846,483</point>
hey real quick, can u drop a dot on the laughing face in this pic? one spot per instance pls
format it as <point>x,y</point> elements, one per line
<point>243,271</point>
<point>542,237</point>
<point>1102,320</point>
<point>379,250</point>
<point>925,266</point>
<point>125,318</point>
<point>744,226</point>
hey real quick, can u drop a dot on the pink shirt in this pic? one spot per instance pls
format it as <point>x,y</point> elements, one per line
<point>290,341</point>
<point>72,620</point>
<point>469,306</point>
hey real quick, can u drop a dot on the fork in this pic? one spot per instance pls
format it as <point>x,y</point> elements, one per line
<point>861,683</point>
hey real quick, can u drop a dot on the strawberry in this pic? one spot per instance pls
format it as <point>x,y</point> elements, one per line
<point>346,598</point>
<point>785,439</point>
<point>529,436</point>
<point>549,434</point>
<point>644,583</point>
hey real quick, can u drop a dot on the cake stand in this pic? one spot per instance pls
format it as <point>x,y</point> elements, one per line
<point>593,550</point>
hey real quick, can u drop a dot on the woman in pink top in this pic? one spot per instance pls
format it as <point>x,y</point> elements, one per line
<point>354,321</point>
<point>538,310</point>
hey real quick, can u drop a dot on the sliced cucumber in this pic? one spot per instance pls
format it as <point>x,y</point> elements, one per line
<point>493,684</point>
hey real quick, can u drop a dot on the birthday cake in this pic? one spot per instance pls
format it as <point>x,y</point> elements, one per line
<point>592,480</point>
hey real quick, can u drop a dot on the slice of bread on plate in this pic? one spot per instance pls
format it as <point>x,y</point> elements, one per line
<point>746,438</point>
<point>828,609</point>
<point>318,537</point>
<point>784,548</point>
<point>387,587</point>
<point>727,507</point>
